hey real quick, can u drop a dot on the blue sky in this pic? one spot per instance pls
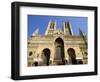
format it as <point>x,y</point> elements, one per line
<point>41,22</point>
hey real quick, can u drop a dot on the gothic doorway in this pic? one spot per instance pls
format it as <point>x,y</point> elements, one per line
<point>59,51</point>
<point>72,56</point>
<point>46,56</point>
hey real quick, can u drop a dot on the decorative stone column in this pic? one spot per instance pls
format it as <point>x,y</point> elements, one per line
<point>66,55</point>
<point>67,58</point>
<point>52,57</point>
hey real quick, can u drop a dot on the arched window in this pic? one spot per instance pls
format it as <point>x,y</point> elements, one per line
<point>86,53</point>
<point>30,53</point>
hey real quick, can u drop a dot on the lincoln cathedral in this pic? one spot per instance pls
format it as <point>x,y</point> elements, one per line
<point>57,46</point>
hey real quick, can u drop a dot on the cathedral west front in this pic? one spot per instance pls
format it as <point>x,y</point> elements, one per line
<point>57,46</point>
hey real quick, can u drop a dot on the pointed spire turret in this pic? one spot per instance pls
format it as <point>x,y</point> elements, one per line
<point>83,36</point>
<point>81,33</point>
<point>35,33</point>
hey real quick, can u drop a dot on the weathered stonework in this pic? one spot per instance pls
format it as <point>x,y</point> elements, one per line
<point>57,47</point>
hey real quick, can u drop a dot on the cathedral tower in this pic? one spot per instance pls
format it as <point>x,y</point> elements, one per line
<point>51,28</point>
<point>67,28</point>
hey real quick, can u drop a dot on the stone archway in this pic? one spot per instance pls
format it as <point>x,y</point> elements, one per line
<point>46,56</point>
<point>72,56</point>
<point>59,51</point>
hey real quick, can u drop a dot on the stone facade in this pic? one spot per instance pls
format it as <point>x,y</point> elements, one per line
<point>57,47</point>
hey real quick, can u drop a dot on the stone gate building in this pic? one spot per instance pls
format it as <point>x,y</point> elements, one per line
<point>57,47</point>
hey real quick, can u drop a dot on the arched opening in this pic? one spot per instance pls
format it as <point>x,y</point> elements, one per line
<point>46,56</point>
<point>35,64</point>
<point>30,53</point>
<point>80,62</point>
<point>59,49</point>
<point>72,56</point>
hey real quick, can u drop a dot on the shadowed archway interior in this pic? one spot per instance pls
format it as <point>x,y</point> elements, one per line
<point>72,56</point>
<point>46,56</point>
<point>59,51</point>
